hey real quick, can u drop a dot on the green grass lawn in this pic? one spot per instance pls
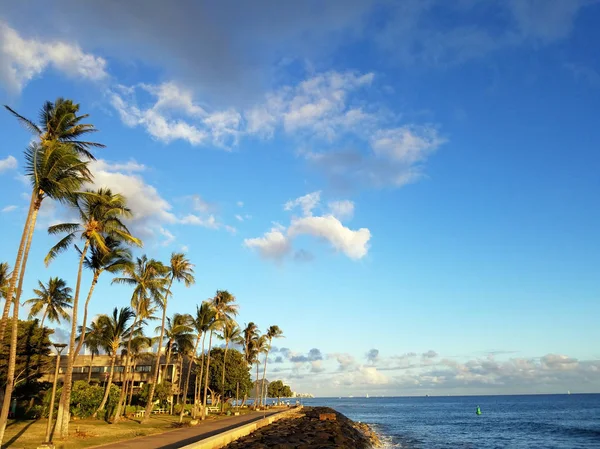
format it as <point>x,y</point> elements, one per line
<point>89,432</point>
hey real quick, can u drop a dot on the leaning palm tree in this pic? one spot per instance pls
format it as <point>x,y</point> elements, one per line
<point>115,260</point>
<point>181,270</point>
<point>139,347</point>
<point>100,216</point>
<point>205,316</point>
<point>115,329</point>
<point>53,298</point>
<point>179,328</point>
<point>231,333</point>
<point>182,347</point>
<point>92,339</point>
<point>147,277</point>
<point>5,276</point>
<point>272,332</point>
<point>57,167</point>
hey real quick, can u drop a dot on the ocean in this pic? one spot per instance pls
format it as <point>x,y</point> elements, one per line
<point>515,422</point>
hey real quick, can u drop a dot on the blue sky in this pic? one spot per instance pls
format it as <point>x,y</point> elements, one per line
<point>407,188</point>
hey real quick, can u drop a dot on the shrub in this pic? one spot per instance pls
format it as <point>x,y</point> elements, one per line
<point>86,398</point>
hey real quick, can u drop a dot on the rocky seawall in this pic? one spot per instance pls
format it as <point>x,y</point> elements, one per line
<point>311,428</point>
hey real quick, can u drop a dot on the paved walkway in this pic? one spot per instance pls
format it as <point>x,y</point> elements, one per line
<point>178,438</point>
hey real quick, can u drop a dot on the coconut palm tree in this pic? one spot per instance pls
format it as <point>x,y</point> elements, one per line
<point>231,333</point>
<point>250,332</point>
<point>181,270</point>
<point>178,332</point>
<point>139,347</point>
<point>5,276</point>
<point>147,277</point>
<point>115,329</point>
<point>205,315</point>
<point>114,261</point>
<point>92,339</point>
<point>259,346</point>
<point>53,298</point>
<point>225,309</point>
<point>57,167</point>
<point>182,346</point>
<point>272,332</point>
<point>100,215</point>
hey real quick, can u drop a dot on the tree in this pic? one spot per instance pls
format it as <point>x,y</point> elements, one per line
<point>181,270</point>
<point>91,337</point>
<point>5,276</point>
<point>225,309</point>
<point>115,329</point>
<point>205,316</point>
<point>237,372</point>
<point>53,299</point>
<point>100,216</point>
<point>250,334</point>
<point>277,390</point>
<point>56,167</point>
<point>178,333</point>
<point>272,332</point>
<point>147,277</point>
<point>115,260</point>
<point>139,345</point>
<point>231,334</point>
<point>259,346</point>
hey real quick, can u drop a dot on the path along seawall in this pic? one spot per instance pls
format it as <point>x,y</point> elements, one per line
<point>310,428</point>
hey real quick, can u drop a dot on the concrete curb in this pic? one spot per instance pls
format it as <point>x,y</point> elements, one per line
<point>229,436</point>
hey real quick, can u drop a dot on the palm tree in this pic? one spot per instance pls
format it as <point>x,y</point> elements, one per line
<point>57,167</point>
<point>115,260</point>
<point>272,332</point>
<point>100,216</point>
<point>182,270</point>
<point>139,346</point>
<point>92,339</point>
<point>115,329</point>
<point>53,298</point>
<point>182,346</point>
<point>147,277</point>
<point>5,276</point>
<point>225,309</point>
<point>259,346</point>
<point>205,316</point>
<point>178,332</point>
<point>250,333</point>
<point>231,334</point>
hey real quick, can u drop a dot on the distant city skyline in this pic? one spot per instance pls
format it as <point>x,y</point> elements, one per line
<point>408,189</point>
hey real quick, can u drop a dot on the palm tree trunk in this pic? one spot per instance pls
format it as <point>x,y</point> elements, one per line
<point>122,396</point>
<point>187,380</point>
<point>262,387</point>
<point>256,398</point>
<point>206,377</point>
<point>85,313</point>
<point>90,369</point>
<point>63,415</point>
<point>15,274</point>
<point>43,319</point>
<point>223,376</point>
<point>131,386</point>
<point>12,358</point>
<point>150,404</point>
<point>108,384</point>
<point>199,378</point>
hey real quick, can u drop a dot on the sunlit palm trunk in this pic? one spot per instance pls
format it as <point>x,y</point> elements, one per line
<point>12,358</point>
<point>130,386</point>
<point>63,415</point>
<point>85,313</point>
<point>206,376</point>
<point>256,399</point>
<point>199,378</point>
<point>187,380</point>
<point>262,387</point>
<point>90,369</point>
<point>223,376</point>
<point>108,385</point>
<point>122,398</point>
<point>15,274</point>
<point>150,404</point>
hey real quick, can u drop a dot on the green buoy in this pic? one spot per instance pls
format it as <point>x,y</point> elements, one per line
<point>478,411</point>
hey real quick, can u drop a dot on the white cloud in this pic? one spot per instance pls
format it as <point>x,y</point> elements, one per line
<point>169,238</point>
<point>207,222</point>
<point>406,145</point>
<point>200,204</point>
<point>239,218</point>
<point>273,245</point>
<point>307,203</point>
<point>8,163</point>
<point>185,248</point>
<point>342,210</point>
<point>9,208</point>
<point>353,244</point>
<point>240,204</point>
<point>23,59</point>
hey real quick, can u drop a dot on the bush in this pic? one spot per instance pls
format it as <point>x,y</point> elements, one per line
<point>86,398</point>
<point>162,392</point>
<point>177,408</point>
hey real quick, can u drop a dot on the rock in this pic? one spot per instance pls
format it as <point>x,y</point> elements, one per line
<point>194,422</point>
<point>327,417</point>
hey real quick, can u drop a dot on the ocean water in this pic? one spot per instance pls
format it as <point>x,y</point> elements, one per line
<point>515,422</point>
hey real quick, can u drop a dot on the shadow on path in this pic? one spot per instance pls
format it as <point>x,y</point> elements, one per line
<point>18,434</point>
